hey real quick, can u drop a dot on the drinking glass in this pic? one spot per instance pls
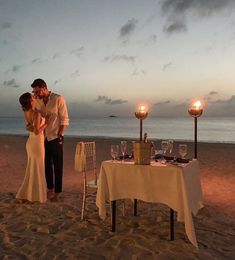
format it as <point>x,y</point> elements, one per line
<point>114,151</point>
<point>164,146</point>
<point>170,146</point>
<point>183,150</point>
<point>123,149</point>
<point>152,150</point>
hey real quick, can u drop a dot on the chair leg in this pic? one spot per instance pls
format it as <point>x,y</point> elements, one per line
<point>84,202</point>
<point>123,208</point>
<point>171,224</point>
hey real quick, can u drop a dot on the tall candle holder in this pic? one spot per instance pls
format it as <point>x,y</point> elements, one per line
<point>141,114</point>
<point>195,111</point>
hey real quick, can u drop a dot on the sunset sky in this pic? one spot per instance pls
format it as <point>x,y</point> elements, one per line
<point>107,56</point>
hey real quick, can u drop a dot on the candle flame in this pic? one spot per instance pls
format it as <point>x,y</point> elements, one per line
<point>197,104</point>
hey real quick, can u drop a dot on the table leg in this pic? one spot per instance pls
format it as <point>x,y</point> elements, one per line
<point>171,224</point>
<point>113,216</point>
<point>135,207</point>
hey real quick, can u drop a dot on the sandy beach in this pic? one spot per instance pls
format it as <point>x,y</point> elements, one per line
<point>54,230</point>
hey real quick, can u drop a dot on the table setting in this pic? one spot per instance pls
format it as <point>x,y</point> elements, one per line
<point>157,157</point>
<point>152,175</point>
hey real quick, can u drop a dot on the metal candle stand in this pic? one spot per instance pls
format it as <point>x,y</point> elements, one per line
<point>141,115</point>
<point>195,112</point>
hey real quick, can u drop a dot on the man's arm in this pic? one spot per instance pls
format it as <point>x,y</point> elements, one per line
<point>61,130</point>
<point>63,114</point>
<point>29,127</point>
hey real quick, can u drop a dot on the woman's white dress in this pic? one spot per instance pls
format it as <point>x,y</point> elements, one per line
<point>34,186</point>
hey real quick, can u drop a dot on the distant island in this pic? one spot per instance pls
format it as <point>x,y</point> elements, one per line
<point>112,116</point>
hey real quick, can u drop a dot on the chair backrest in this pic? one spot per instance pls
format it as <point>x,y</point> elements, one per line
<point>90,156</point>
<point>85,156</point>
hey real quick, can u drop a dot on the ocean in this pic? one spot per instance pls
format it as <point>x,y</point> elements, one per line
<point>210,129</point>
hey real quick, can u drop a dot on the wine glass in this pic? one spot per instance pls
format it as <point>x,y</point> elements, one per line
<point>123,149</point>
<point>164,146</point>
<point>183,150</point>
<point>152,150</point>
<point>114,151</point>
<point>170,146</point>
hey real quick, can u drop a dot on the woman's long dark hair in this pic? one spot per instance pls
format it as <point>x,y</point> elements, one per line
<point>25,101</point>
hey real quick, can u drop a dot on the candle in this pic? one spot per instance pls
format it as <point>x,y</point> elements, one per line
<point>197,105</point>
<point>142,112</point>
<point>196,109</point>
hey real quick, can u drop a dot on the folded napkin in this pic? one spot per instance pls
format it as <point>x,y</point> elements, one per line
<point>161,156</point>
<point>126,157</point>
<point>80,157</point>
<point>181,160</point>
<point>171,158</point>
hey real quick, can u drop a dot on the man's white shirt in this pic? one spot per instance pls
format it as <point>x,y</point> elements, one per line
<point>56,109</point>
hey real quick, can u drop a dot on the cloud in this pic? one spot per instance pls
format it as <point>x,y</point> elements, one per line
<point>78,52</point>
<point>200,7</point>
<point>167,66</point>
<point>75,73</point>
<point>153,39</point>
<point>116,58</point>
<point>170,108</point>
<point>210,95</point>
<point>213,93</point>
<point>110,101</point>
<point>5,25</point>
<point>177,26</point>
<point>127,29</point>
<point>178,11</point>
<point>57,81</point>
<point>162,103</point>
<point>221,107</point>
<point>149,41</point>
<point>5,42</point>
<point>56,55</point>
<point>36,60</point>
<point>230,101</point>
<point>137,72</point>
<point>16,68</point>
<point>10,83</point>
<point>218,107</point>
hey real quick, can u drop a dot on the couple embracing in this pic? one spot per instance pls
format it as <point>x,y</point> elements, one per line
<point>46,118</point>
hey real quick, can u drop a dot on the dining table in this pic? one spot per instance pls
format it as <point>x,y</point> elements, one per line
<point>176,185</point>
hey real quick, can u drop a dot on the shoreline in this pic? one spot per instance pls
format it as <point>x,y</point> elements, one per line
<point>145,236</point>
<point>126,138</point>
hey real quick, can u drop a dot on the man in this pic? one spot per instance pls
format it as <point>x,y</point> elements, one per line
<point>53,106</point>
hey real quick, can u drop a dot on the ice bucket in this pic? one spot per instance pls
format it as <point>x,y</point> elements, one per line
<point>142,152</point>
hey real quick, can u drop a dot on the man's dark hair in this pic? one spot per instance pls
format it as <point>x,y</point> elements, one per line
<point>39,83</point>
<point>25,101</point>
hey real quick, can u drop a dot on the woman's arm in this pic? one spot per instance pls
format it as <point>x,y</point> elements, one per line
<point>38,128</point>
<point>28,121</point>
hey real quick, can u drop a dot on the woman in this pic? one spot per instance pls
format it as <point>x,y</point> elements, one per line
<point>33,187</point>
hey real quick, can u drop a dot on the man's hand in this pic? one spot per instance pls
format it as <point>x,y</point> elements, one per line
<point>61,130</point>
<point>29,127</point>
<point>47,119</point>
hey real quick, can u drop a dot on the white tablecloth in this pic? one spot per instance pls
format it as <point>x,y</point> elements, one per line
<point>178,187</point>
